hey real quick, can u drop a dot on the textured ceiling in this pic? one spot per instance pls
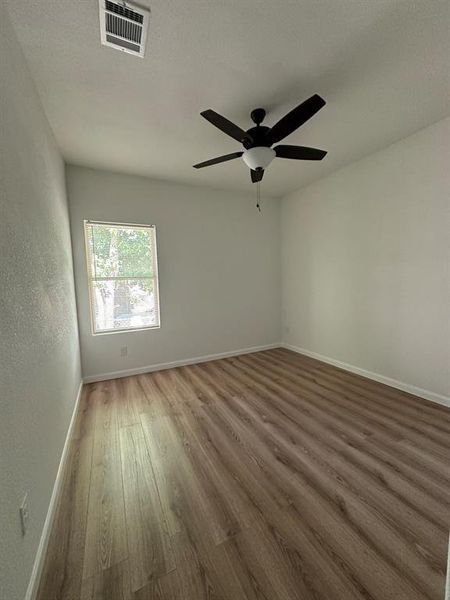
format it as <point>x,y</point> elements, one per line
<point>382,66</point>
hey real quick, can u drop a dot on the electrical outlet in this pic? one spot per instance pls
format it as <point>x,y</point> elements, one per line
<point>124,351</point>
<point>24,514</point>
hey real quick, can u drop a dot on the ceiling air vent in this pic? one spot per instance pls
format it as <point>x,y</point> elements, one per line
<point>123,26</point>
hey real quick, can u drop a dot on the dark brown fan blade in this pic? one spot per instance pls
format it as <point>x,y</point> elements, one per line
<point>226,126</point>
<point>219,159</point>
<point>257,175</point>
<point>299,152</point>
<point>295,118</point>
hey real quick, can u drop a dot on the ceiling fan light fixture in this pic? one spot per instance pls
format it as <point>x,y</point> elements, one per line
<point>258,157</point>
<point>257,141</point>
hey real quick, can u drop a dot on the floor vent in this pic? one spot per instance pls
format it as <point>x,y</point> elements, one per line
<point>124,26</point>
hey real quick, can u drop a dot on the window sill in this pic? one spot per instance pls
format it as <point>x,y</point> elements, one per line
<point>130,330</point>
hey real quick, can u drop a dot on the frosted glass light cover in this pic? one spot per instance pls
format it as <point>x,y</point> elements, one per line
<point>258,157</point>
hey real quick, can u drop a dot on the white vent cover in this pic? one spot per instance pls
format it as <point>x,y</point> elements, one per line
<point>124,25</point>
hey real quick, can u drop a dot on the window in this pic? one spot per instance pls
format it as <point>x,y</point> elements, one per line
<point>123,276</point>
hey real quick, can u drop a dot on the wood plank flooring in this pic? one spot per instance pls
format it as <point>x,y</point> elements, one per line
<point>268,476</point>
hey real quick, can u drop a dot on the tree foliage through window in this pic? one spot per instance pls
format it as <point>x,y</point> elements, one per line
<point>123,276</point>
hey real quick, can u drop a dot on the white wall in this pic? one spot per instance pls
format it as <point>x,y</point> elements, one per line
<point>218,267</point>
<point>39,356</point>
<point>365,263</point>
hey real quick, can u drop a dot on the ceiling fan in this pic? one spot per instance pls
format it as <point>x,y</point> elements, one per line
<point>258,140</point>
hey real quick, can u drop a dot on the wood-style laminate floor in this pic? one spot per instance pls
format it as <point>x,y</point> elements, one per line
<point>268,476</point>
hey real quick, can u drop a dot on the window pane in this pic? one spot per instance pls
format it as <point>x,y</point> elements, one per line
<point>120,251</point>
<point>124,304</point>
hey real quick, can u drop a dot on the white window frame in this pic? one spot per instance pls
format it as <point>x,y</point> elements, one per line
<point>91,278</point>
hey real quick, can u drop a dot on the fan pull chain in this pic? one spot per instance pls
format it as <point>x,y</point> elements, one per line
<point>258,195</point>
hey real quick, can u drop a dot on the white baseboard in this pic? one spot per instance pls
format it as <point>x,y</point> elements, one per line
<point>405,387</point>
<point>42,548</point>
<point>447,584</point>
<point>176,363</point>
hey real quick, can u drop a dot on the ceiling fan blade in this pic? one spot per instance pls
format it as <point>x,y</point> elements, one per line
<point>219,159</point>
<point>299,152</point>
<point>257,175</point>
<point>226,126</point>
<point>299,115</point>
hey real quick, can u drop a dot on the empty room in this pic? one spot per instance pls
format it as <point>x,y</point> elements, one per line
<point>224,300</point>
